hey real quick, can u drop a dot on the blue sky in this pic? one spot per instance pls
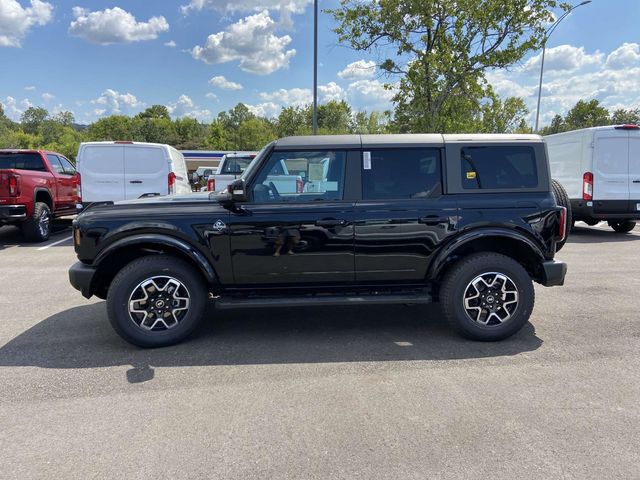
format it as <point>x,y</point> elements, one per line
<point>199,57</point>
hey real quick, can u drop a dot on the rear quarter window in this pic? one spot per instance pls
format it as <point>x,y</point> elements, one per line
<point>498,167</point>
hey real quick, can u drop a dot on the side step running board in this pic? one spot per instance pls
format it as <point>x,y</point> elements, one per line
<point>228,303</point>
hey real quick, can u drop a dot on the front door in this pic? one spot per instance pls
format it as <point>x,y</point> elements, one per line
<point>297,227</point>
<point>403,215</point>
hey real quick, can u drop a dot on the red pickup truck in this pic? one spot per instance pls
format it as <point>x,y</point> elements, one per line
<point>36,186</point>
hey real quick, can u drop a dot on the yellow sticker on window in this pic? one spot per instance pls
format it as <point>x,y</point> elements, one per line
<point>471,175</point>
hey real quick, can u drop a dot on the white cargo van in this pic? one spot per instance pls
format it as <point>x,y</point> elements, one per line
<point>112,171</point>
<point>600,169</point>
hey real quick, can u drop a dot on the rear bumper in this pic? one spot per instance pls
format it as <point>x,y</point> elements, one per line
<point>553,273</point>
<point>81,277</point>
<point>13,213</point>
<point>605,209</point>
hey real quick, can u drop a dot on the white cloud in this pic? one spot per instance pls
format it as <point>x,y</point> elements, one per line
<point>244,6</point>
<point>562,59</point>
<point>266,109</point>
<point>212,96</point>
<point>112,102</point>
<point>627,55</point>
<point>185,107</point>
<point>370,95</point>
<point>224,84</point>
<point>16,21</point>
<point>170,44</point>
<point>358,70</point>
<point>295,97</point>
<point>14,109</point>
<point>114,25</point>
<point>30,88</point>
<point>252,42</point>
<point>330,92</point>
<point>581,75</point>
<point>47,97</point>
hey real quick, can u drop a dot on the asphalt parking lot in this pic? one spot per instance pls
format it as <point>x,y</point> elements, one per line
<point>353,393</point>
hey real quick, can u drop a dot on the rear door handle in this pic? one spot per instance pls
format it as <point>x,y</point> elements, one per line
<point>433,220</point>
<point>135,181</point>
<point>330,222</point>
<point>636,181</point>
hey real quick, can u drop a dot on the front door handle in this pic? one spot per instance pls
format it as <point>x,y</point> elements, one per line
<point>636,181</point>
<point>330,222</point>
<point>433,220</point>
<point>135,181</point>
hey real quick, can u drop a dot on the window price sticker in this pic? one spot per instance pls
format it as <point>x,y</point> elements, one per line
<point>366,160</point>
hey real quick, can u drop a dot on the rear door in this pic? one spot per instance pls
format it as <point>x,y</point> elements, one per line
<point>611,169</point>
<point>146,170</point>
<point>403,214</point>
<point>102,170</point>
<point>634,169</point>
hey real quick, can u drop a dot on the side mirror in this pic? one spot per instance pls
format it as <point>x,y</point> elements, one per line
<point>238,190</point>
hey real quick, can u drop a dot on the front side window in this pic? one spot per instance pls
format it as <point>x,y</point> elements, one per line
<point>401,174</point>
<point>498,167</point>
<point>301,177</point>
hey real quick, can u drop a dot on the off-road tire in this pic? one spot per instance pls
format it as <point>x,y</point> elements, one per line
<point>131,276</point>
<point>457,280</point>
<point>38,227</point>
<point>562,199</point>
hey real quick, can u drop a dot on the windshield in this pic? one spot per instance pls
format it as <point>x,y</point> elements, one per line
<point>21,161</point>
<point>256,161</point>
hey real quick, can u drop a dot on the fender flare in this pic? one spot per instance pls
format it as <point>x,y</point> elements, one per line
<point>162,239</point>
<point>437,264</point>
<point>37,190</point>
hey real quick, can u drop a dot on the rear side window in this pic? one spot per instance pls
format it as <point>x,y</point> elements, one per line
<point>55,164</point>
<point>66,165</point>
<point>21,161</point>
<point>498,167</point>
<point>401,173</point>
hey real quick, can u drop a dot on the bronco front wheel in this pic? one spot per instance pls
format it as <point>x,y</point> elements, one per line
<point>156,301</point>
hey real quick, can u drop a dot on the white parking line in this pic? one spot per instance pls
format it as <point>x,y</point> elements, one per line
<point>55,243</point>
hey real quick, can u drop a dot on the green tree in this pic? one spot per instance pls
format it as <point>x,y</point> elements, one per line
<point>254,133</point>
<point>114,127</point>
<point>154,130</point>
<point>293,121</point>
<point>439,50</point>
<point>585,115</point>
<point>190,133</point>
<point>217,137</point>
<point>334,117</point>
<point>66,119</point>
<point>32,118</point>
<point>155,111</point>
<point>502,116</point>
<point>556,126</point>
<point>622,116</point>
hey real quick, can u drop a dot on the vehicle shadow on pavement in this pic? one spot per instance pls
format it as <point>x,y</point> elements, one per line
<point>11,236</point>
<point>81,337</point>
<point>600,235</point>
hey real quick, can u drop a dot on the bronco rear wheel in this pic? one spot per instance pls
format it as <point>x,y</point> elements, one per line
<point>156,301</point>
<point>487,296</point>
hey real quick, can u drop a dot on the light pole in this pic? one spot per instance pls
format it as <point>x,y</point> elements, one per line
<point>315,67</point>
<point>547,34</point>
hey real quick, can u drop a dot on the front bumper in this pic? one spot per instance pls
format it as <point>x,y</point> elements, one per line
<point>13,213</point>
<point>81,278</point>
<point>553,273</point>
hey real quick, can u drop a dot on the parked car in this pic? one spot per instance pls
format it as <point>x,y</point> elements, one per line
<point>230,168</point>
<point>113,171</point>
<point>35,187</point>
<point>469,220</point>
<point>600,170</point>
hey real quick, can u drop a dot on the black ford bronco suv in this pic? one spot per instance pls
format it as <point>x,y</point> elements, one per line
<point>467,220</point>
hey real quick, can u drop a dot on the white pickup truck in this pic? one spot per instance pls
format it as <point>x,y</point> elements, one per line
<point>233,165</point>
